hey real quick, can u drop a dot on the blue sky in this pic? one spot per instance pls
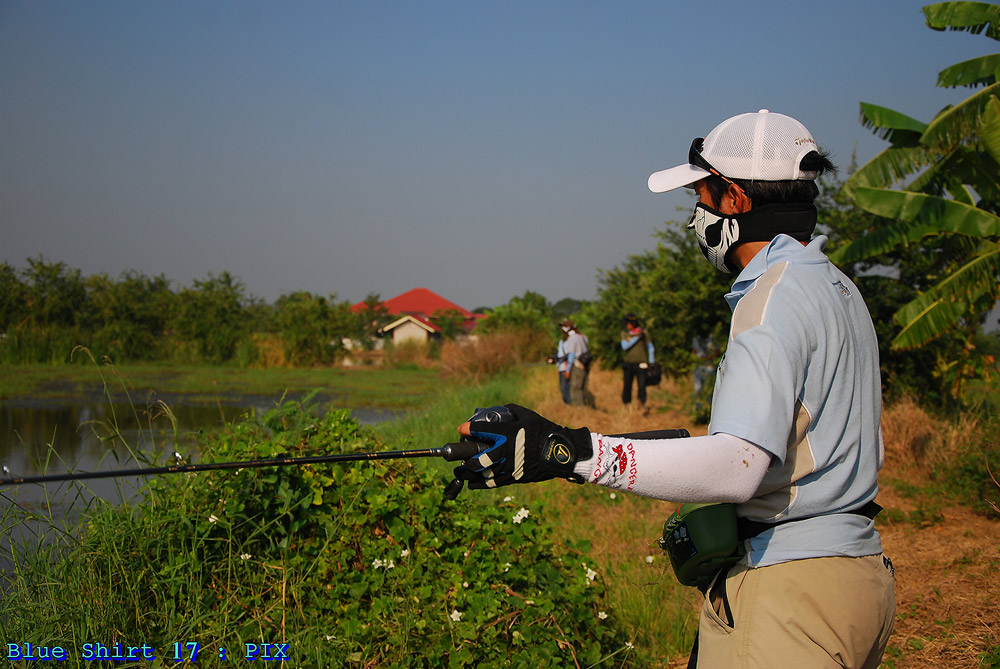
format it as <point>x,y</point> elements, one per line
<point>479,149</point>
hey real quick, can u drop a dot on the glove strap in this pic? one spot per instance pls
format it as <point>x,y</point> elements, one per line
<point>561,451</point>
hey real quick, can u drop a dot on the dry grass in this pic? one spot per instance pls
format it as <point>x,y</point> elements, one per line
<point>916,443</point>
<point>270,351</point>
<point>419,353</point>
<point>486,355</point>
<point>948,567</point>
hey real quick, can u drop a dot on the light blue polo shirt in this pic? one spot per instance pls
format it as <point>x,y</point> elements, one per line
<point>800,379</point>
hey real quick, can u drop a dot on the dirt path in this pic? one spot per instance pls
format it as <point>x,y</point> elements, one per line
<point>947,587</point>
<point>947,564</point>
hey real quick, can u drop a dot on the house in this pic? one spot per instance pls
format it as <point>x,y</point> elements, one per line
<point>421,314</point>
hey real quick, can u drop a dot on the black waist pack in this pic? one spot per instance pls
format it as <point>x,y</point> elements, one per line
<point>704,539</point>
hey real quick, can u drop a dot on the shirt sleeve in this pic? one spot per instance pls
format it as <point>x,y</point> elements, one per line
<point>716,468</point>
<point>758,384</point>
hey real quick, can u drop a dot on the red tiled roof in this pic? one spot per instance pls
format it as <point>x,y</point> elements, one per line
<point>419,301</point>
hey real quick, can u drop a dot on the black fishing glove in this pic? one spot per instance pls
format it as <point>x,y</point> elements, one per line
<point>524,449</point>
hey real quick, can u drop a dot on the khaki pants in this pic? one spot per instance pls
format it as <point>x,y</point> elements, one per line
<point>823,612</point>
<point>578,392</point>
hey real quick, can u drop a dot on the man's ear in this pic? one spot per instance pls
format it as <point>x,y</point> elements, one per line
<point>735,201</point>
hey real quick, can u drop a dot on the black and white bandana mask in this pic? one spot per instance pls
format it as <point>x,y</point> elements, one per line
<point>718,233</point>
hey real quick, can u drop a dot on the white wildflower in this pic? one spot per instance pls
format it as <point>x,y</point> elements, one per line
<point>456,615</point>
<point>405,553</point>
<point>529,602</point>
<point>591,574</point>
<point>649,559</point>
<point>602,615</point>
<point>213,518</point>
<point>520,515</point>
<point>391,565</point>
<point>629,645</point>
<point>508,498</point>
<point>506,567</point>
<point>377,563</point>
<point>244,556</point>
<point>613,495</point>
<point>465,584</point>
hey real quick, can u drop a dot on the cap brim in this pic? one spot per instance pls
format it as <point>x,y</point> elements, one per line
<point>675,177</point>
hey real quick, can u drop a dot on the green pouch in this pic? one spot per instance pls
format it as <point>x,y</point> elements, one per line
<point>701,540</point>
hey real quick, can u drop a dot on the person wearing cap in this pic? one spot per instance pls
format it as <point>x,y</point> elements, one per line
<point>794,439</point>
<point>577,349</point>
<point>637,348</point>
<point>559,360</point>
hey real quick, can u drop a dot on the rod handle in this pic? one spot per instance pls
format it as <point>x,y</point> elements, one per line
<point>462,450</point>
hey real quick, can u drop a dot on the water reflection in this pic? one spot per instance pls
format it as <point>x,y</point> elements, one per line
<point>88,434</point>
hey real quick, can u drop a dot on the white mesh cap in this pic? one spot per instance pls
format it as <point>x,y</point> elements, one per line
<point>761,146</point>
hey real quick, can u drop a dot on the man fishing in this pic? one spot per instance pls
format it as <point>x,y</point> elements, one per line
<point>794,440</point>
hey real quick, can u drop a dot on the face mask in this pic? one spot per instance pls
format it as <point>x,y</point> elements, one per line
<point>719,233</point>
<point>716,233</point>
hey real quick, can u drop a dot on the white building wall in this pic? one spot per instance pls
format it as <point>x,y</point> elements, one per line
<point>409,331</point>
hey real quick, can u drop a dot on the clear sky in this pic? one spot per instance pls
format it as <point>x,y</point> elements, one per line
<point>479,149</point>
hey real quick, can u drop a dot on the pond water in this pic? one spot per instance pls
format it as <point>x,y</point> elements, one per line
<point>94,434</point>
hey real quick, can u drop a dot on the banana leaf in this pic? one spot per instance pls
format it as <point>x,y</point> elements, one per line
<point>990,131</point>
<point>940,308</point>
<point>973,17</point>
<point>917,216</point>
<point>980,71</point>
<point>958,125</point>
<point>897,127</point>
<point>889,167</point>
<point>956,173</point>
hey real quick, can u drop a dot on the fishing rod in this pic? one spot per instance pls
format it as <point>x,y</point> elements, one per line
<point>462,450</point>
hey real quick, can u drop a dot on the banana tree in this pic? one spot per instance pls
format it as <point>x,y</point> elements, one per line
<point>939,178</point>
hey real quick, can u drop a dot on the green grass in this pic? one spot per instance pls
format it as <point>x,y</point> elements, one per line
<point>659,614</point>
<point>364,386</point>
<point>292,555</point>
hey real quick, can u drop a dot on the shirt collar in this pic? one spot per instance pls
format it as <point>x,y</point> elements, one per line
<point>781,249</point>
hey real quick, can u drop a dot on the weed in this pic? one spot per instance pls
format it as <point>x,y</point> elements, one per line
<point>991,658</point>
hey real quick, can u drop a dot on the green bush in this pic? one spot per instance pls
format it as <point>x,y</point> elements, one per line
<point>354,565</point>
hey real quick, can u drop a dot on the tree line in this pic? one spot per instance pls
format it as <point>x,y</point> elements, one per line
<point>48,308</point>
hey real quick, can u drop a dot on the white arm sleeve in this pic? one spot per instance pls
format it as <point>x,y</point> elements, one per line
<point>716,468</point>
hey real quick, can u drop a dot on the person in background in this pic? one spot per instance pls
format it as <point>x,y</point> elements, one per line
<point>794,441</point>
<point>559,360</point>
<point>638,355</point>
<point>578,364</point>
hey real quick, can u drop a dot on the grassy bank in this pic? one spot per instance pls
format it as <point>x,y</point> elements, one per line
<point>402,388</point>
<point>362,565</point>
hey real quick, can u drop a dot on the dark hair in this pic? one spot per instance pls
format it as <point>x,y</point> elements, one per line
<point>772,192</point>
